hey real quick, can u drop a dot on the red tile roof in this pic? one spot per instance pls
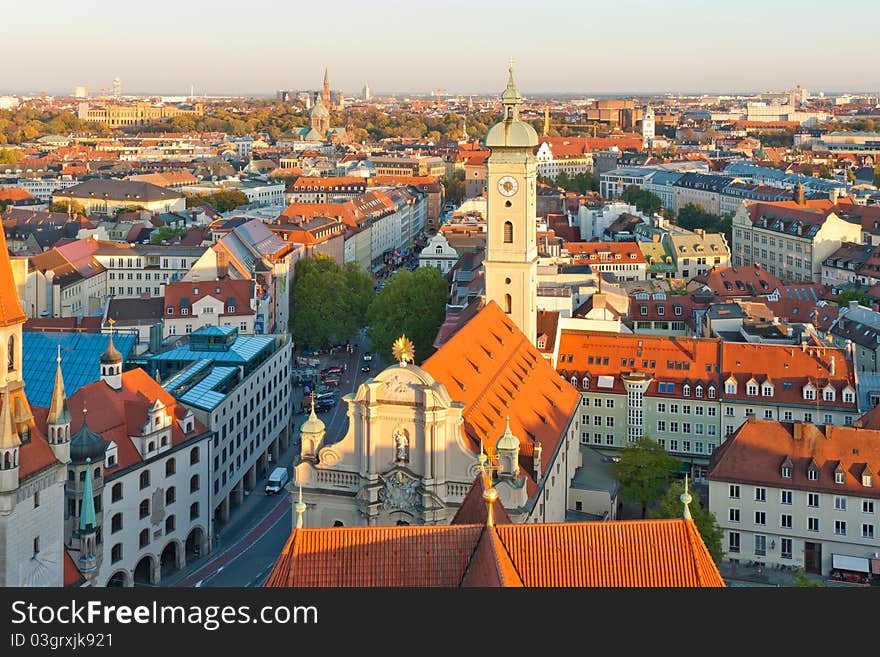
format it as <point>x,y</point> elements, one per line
<point>605,252</point>
<point>72,576</point>
<point>10,307</point>
<point>241,290</point>
<point>739,282</point>
<point>15,194</point>
<point>119,414</point>
<point>491,367</point>
<point>756,452</point>
<point>35,455</point>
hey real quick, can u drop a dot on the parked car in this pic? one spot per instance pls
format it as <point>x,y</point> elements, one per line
<point>365,367</point>
<point>326,404</point>
<point>368,356</point>
<point>331,381</point>
<point>327,371</point>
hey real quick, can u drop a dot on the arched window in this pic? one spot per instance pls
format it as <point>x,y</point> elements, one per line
<point>145,479</point>
<point>574,381</point>
<point>585,383</point>
<point>338,523</point>
<point>144,538</point>
<point>194,483</point>
<point>507,303</point>
<point>144,509</point>
<point>170,467</point>
<point>170,495</point>
<point>194,456</point>
<point>116,523</point>
<point>508,232</point>
<point>10,362</point>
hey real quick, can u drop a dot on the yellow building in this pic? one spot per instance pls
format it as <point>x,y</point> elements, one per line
<point>138,113</point>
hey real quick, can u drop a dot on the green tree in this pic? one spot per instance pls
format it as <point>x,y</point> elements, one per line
<point>824,171</point>
<point>454,188</point>
<point>411,304</point>
<point>693,216</point>
<point>644,471</point>
<point>644,200</point>
<point>328,301</point>
<point>846,296</point>
<point>802,580</point>
<point>807,169</point>
<point>165,233</point>
<point>671,506</point>
<point>877,176</point>
<point>222,201</point>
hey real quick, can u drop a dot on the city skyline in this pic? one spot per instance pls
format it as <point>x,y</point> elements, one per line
<point>603,50</point>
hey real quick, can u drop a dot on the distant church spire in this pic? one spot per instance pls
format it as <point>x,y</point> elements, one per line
<point>686,499</point>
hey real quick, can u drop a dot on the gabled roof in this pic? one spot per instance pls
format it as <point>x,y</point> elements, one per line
<point>756,452</point>
<point>492,368</point>
<point>11,311</point>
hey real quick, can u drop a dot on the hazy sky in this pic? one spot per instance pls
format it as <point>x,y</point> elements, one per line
<point>587,46</point>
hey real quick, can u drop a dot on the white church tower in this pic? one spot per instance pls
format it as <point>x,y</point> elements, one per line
<point>511,262</point>
<point>648,133</point>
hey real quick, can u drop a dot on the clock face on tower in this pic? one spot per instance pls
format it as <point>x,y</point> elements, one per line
<point>508,185</point>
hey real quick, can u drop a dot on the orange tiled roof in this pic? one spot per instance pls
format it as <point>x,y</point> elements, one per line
<point>35,455</point>
<point>119,414</point>
<point>491,367</point>
<point>15,194</point>
<point>605,252</point>
<point>10,307</point>
<point>755,453</point>
<point>72,576</point>
<point>636,553</point>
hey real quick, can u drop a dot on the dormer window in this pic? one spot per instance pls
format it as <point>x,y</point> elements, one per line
<point>711,392</point>
<point>786,471</point>
<point>686,390</point>
<point>752,389</point>
<point>813,473</point>
<point>730,387</point>
<point>767,390</point>
<point>574,381</point>
<point>585,382</point>
<point>867,480</point>
<point>809,393</point>
<point>839,477</point>
<point>848,397</point>
<point>828,394</point>
<point>698,391</point>
<point>170,310</point>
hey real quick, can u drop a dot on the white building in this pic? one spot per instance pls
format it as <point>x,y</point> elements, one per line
<point>438,253</point>
<point>799,495</point>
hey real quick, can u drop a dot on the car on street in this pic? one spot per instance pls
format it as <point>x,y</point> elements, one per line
<point>365,367</point>
<point>331,381</point>
<point>328,371</point>
<point>368,356</point>
<point>323,405</point>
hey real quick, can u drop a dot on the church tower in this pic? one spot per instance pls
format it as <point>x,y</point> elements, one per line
<point>58,421</point>
<point>325,91</point>
<point>511,252</point>
<point>111,363</point>
<point>648,133</point>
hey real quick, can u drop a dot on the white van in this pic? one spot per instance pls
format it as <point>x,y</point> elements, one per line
<point>276,481</point>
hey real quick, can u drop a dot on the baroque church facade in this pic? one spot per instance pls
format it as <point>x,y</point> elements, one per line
<point>415,434</point>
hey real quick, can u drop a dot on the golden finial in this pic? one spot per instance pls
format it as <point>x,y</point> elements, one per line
<point>403,350</point>
<point>686,499</point>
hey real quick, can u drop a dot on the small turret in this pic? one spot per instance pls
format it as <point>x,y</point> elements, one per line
<point>311,434</point>
<point>10,443</point>
<point>58,421</point>
<point>88,525</point>
<point>507,448</point>
<point>111,363</point>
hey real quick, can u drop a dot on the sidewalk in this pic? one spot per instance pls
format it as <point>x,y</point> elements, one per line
<point>243,520</point>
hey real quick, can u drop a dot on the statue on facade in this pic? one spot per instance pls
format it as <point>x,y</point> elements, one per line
<point>401,446</point>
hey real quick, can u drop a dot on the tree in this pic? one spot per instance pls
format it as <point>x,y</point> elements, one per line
<point>222,201</point>
<point>644,471</point>
<point>671,506</point>
<point>411,304</point>
<point>328,301</point>
<point>693,216</point>
<point>9,156</point>
<point>824,171</point>
<point>801,579</point>
<point>165,233</point>
<point>807,169</point>
<point>846,296</point>
<point>454,187</point>
<point>644,200</point>
<point>877,176</point>
<point>64,206</point>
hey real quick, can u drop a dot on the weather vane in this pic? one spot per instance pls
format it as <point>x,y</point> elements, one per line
<point>403,350</point>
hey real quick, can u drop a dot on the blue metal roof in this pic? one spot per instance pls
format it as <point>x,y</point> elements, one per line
<point>242,350</point>
<point>203,394</point>
<point>80,354</point>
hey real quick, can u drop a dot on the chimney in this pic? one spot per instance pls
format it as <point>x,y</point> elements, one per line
<point>798,429</point>
<point>800,196</point>
<point>599,301</point>
<point>831,369</point>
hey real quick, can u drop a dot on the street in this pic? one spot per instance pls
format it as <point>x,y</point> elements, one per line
<point>258,529</point>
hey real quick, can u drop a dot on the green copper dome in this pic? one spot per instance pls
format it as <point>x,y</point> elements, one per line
<point>507,441</point>
<point>510,132</point>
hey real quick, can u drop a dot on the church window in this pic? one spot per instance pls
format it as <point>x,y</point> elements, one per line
<point>508,232</point>
<point>10,362</point>
<point>507,303</point>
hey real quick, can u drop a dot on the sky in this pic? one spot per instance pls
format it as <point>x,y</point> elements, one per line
<point>462,47</point>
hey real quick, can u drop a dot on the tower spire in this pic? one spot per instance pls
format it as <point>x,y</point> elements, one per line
<point>58,412</point>
<point>686,499</point>
<point>9,438</point>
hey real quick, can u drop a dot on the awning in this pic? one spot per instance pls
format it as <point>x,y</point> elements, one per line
<point>855,564</point>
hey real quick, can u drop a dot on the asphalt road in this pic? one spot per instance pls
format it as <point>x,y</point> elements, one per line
<point>249,559</point>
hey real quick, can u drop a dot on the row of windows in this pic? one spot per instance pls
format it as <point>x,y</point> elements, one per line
<point>144,535</point>
<point>697,428</point>
<point>711,411</point>
<point>687,445</point>
<point>813,523</point>
<point>785,497</point>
